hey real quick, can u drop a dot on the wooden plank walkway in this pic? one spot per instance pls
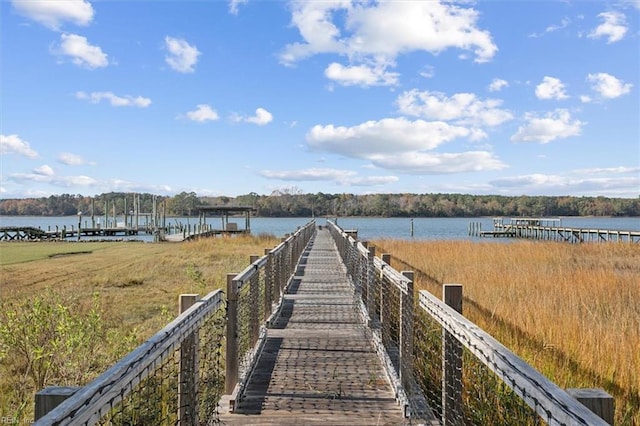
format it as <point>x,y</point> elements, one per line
<point>318,365</point>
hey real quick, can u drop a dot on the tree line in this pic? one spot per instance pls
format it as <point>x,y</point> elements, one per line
<point>294,203</point>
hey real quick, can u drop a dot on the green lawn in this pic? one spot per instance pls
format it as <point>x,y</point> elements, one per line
<point>16,252</point>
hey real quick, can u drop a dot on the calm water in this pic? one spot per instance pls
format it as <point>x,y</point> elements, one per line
<point>368,228</point>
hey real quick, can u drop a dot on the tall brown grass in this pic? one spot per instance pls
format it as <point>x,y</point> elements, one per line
<point>137,284</point>
<point>572,311</point>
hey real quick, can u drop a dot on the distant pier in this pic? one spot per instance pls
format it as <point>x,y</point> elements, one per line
<point>31,233</point>
<point>158,227</point>
<point>550,229</point>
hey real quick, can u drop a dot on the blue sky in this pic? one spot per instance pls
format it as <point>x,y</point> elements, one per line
<point>232,97</point>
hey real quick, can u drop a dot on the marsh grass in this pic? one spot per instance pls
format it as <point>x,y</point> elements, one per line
<point>137,284</point>
<point>570,310</point>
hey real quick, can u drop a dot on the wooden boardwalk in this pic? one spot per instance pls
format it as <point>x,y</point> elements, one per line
<point>318,365</point>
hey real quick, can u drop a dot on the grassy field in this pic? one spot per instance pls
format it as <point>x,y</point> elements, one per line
<point>570,310</point>
<point>119,293</point>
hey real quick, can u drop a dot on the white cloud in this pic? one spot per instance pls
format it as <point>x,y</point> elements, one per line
<point>428,71</point>
<point>608,170</point>
<point>308,174</point>
<point>608,86</point>
<point>70,159</point>
<point>12,144</point>
<point>80,51</point>
<point>182,56</point>
<point>44,170</point>
<point>557,124</point>
<point>462,108</point>
<point>553,28</point>
<point>377,32</point>
<point>343,177</point>
<point>498,84</point>
<point>439,163</point>
<point>53,13</point>
<point>371,180</point>
<point>551,88</point>
<point>386,136</point>
<point>115,100</point>
<point>361,75</point>
<point>261,118</point>
<point>613,28</point>
<point>399,144</point>
<point>574,182</point>
<point>202,113</point>
<point>313,20</point>
<point>235,4</point>
<point>60,181</point>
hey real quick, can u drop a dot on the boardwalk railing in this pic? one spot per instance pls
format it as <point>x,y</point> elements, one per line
<point>179,375</point>
<point>437,358</point>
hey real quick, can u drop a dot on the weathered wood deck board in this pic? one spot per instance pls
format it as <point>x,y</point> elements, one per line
<point>318,365</point>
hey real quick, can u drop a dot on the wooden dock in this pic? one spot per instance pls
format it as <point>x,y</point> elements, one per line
<point>318,364</point>
<point>551,229</point>
<point>31,233</point>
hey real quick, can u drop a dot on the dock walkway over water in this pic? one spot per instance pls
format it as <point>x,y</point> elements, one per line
<point>318,365</point>
<point>551,229</point>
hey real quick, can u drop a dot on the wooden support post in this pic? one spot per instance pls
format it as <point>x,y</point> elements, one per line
<point>406,331</point>
<point>188,375</point>
<point>49,398</point>
<point>231,358</point>
<point>254,291</point>
<point>596,400</point>
<point>452,362</point>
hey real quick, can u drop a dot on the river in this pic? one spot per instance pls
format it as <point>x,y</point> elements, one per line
<point>368,228</point>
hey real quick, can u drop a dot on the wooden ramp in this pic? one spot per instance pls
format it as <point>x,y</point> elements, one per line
<point>318,365</point>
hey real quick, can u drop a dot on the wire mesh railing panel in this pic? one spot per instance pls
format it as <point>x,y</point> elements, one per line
<point>185,385</point>
<point>472,393</point>
<point>152,401</point>
<point>246,310</point>
<point>427,367</point>
<point>485,383</point>
<point>211,367</point>
<point>487,399</point>
<point>172,377</point>
<point>390,318</point>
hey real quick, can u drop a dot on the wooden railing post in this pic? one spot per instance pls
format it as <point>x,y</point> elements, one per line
<point>231,358</point>
<point>406,331</point>
<point>188,373</point>
<point>596,400</point>
<point>49,398</point>
<point>254,310</point>
<point>451,362</point>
